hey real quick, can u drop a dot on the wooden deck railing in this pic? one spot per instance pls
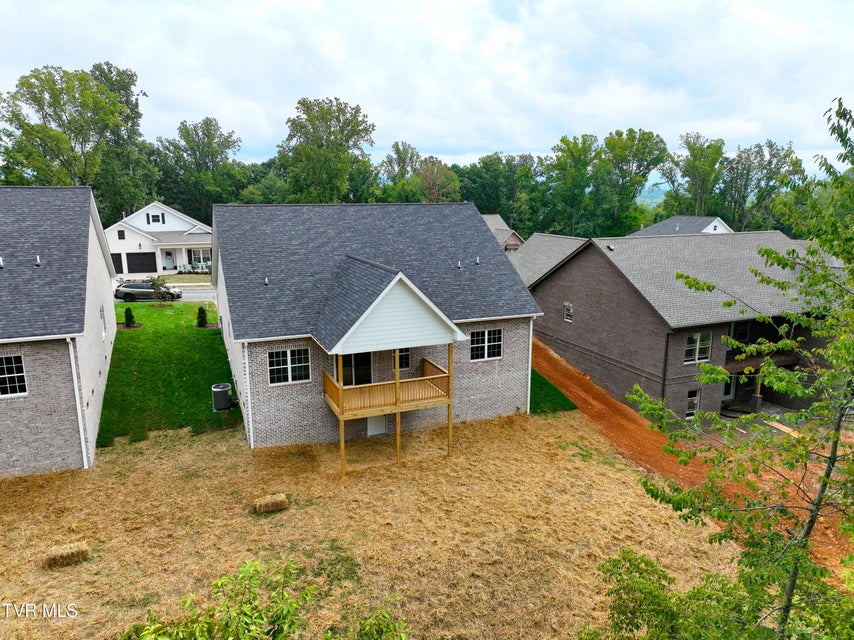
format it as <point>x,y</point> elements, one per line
<point>430,390</point>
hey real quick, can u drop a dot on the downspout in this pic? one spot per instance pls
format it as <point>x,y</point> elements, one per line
<point>80,426</point>
<point>530,359</point>
<point>249,431</point>
<point>664,368</point>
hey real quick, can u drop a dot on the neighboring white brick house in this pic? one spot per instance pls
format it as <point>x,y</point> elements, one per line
<point>316,300</point>
<point>57,329</point>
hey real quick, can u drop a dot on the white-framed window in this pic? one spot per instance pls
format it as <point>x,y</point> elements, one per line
<point>155,217</point>
<point>567,311</point>
<point>403,358</point>
<point>289,365</point>
<point>698,346</point>
<point>486,345</point>
<point>693,403</point>
<point>200,256</point>
<point>13,378</point>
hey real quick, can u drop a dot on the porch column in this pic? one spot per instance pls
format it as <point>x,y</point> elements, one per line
<point>341,420</point>
<point>397,401</point>
<point>450,395</point>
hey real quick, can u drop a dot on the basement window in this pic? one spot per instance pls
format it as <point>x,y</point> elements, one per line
<point>693,403</point>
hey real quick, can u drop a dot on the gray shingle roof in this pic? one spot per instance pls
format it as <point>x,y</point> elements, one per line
<point>542,253</point>
<point>325,262</point>
<point>179,237</point>
<point>678,225</point>
<point>651,262</point>
<point>53,224</point>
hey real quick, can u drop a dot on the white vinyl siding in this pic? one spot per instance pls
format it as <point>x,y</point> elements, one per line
<point>399,319</point>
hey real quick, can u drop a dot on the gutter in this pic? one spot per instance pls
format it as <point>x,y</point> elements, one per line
<point>77,403</point>
<point>65,336</point>
<point>249,429</point>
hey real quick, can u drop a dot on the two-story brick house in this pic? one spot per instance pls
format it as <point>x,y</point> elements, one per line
<point>614,308</point>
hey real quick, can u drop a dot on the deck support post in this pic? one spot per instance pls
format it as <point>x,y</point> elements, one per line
<point>397,402</point>
<point>450,395</point>
<point>341,420</point>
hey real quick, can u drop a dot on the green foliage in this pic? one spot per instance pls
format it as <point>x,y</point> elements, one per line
<point>546,398</point>
<point>196,170</point>
<point>161,376</point>
<point>130,321</point>
<point>57,127</point>
<point>202,318</point>
<point>273,600</point>
<point>768,492</point>
<point>325,140</point>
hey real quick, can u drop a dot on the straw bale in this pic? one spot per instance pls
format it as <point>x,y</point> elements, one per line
<point>66,555</point>
<point>272,503</point>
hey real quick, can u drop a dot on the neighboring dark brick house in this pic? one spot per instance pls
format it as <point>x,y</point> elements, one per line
<point>318,301</point>
<point>57,327</point>
<point>614,309</point>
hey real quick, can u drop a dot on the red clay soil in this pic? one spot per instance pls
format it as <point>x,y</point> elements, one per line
<point>627,431</point>
<point>632,438</point>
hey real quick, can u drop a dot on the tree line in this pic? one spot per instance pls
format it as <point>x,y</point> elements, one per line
<point>60,127</point>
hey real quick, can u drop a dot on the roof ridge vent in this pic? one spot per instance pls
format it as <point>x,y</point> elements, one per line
<point>2,266</point>
<point>38,261</point>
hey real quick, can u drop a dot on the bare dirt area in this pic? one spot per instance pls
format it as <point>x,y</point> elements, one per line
<point>632,438</point>
<point>500,540</point>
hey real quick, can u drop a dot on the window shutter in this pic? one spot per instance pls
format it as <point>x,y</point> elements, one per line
<point>147,218</point>
<point>163,217</point>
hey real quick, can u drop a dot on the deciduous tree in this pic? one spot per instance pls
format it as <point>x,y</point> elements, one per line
<point>326,139</point>
<point>769,492</point>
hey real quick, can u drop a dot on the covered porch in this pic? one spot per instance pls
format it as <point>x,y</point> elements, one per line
<point>432,388</point>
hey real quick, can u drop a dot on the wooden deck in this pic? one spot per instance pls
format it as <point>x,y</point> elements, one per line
<point>379,398</point>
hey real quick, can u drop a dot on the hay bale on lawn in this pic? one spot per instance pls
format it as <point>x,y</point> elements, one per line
<point>66,555</point>
<point>272,503</point>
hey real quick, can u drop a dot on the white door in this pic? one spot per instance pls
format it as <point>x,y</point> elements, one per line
<point>376,426</point>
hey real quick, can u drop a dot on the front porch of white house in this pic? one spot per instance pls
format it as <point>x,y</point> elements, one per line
<point>351,392</point>
<point>185,258</point>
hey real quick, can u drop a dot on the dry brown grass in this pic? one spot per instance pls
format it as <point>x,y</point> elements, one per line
<point>502,540</point>
<point>270,504</point>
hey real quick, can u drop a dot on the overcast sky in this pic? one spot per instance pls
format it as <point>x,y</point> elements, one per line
<point>461,79</point>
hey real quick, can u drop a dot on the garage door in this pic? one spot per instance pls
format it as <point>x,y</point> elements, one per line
<point>144,262</point>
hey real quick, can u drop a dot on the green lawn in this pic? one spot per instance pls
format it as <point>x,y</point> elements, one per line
<point>161,374</point>
<point>546,398</point>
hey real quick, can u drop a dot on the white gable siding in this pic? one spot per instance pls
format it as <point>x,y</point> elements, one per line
<point>717,226</point>
<point>400,319</point>
<point>173,221</point>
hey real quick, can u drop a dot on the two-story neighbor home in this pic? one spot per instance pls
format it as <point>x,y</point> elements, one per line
<point>158,239</point>
<point>345,321</point>
<point>57,327</point>
<point>614,309</point>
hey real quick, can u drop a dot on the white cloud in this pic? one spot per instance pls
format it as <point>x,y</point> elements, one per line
<point>461,79</point>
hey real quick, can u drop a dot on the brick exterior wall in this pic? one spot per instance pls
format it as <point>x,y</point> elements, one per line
<point>41,431</point>
<point>297,413</point>
<point>617,338</point>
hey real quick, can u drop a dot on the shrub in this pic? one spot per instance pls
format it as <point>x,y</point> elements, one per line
<point>202,318</point>
<point>130,321</point>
